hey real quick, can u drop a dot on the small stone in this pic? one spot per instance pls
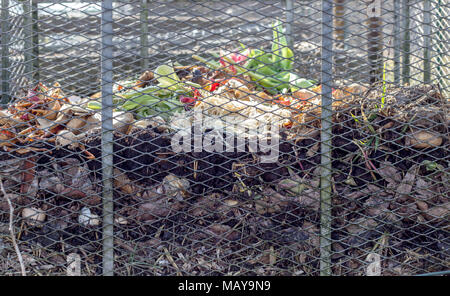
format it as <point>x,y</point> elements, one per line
<point>73,264</point>
<point>121,221</point>
<point>87,218</point>
<point>33,216</point>
<point>231,202</point>
<point>374,267</point>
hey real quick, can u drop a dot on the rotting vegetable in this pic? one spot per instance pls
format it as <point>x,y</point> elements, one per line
<point>270,70</point>
<point>165,98</point>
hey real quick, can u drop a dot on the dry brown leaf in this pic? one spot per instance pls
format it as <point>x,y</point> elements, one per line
<point>438,212</point>
<point>375,206</point>
<point>153,210</point>
<point>424,139</point>
<point>203,206</point>
<point>310,198</point>
<point>66,138</point>
<point>406,184</point>
<point>271,204</point>
<point>221,230</point>
<point>303,94</point>
<point>122,182</point>
<point>423,188</point>
<point>313,150</point>
<point>361,225</point>
<point>75,124</point>
<point>122,122</point>
<point>423,206</point>
<point>390,173</point>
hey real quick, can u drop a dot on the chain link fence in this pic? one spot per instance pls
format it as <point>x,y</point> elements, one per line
<point>224,137</point>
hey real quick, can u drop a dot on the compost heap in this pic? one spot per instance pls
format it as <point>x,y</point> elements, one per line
<point>389,149</point>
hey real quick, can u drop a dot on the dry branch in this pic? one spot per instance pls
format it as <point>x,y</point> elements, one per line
<point>11,228</point>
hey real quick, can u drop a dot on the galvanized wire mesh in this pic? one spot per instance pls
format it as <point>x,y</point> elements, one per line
<point>145,138</point>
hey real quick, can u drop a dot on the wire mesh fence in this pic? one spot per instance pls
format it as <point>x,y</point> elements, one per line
<point>224,137</point>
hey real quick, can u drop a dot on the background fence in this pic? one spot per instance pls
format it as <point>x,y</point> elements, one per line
<point>92,184</point>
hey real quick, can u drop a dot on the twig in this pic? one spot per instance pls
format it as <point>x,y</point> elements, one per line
<point>369,164</point>
<point>234,228</point>
<point>11,228</point>
<point>170,258</point>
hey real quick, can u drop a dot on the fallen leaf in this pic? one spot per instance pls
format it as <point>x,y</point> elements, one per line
<point>423,188</point>
<point>375,206</point>
<point>390,173</point>
<point>153,210</point>
<point>222,230</point>
<point>122,182</point>
<point>310,198</point>
<point>406,185</point>
<point>423,206</point>
<point>313,150</point>
<point>33,216</point>
<point>424,139</point>
<point>438,212</point>
<point>361,225</point>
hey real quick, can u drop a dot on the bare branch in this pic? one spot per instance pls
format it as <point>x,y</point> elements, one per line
<point>11,228</point>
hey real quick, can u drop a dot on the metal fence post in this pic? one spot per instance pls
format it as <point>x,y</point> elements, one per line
<point>375,41</point>
<point>396,42</point>
<point>339,23</point>
<point>144,34</point>
<point>426,41</point>
<point>326,119</point>
<point>5,52</point>
<point>289,5</point>
<point>107,136</point>
<point>28,38</point>
<point>406,42</point>
<point>440,43</point>
<point>35,39</point>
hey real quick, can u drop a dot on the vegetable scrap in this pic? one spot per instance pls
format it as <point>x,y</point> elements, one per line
<point>48,115</point>
<point>270,71</point>
<point>160,92</point>
<point>28,118</point>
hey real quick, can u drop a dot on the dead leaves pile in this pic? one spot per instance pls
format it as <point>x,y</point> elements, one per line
<point>47,114</point>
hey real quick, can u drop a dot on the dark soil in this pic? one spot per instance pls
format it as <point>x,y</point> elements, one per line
<point>271,230</point>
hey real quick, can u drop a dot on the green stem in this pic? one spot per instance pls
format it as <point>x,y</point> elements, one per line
<point>210,64</point>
